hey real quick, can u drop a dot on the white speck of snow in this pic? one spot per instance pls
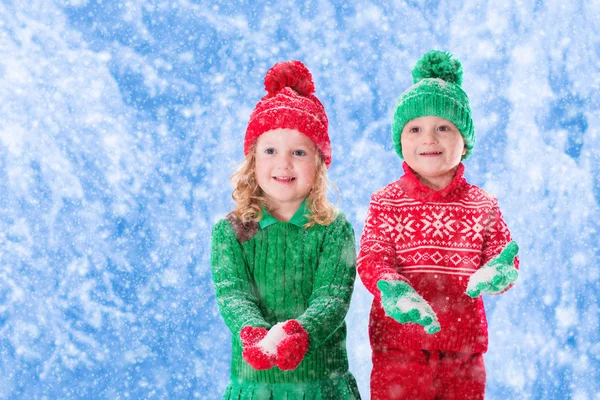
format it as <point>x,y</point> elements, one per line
<point>495,188</point>
<point>524,55</point>
<point>496,22</point>
<point>579,259</point>
<point>163,130</point>
<point>269,343</point>
<point>373,14</point>
<point>243,113</point>
<point>11,136</point>
<point>515,377</point>
<point>170,277</point>
<point>535,175</point>
<point>104,56</point>
<point>360,213</point>
<point>137,355</point>
<point>486,49</point>
<point>218,78</point>
<point>80,265</point>
<point>580,396</point>
<point>199,368</point>
<point>17,294</point>
<point>566,316</point>
<point>239,22</point>
<point>76,3</point>
<point>186,57</point>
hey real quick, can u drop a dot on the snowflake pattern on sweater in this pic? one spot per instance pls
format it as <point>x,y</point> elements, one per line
<point>434,240</point>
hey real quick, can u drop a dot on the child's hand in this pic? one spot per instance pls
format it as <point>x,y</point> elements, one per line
<point>284,345</point>
<point>497,275</point>
<point>401,302</point>
<point>254,350</point>
<point>293,346</point>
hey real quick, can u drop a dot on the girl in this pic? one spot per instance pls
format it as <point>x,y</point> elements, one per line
<point>283,261</point>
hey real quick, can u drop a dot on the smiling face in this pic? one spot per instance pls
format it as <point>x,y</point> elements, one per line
<point>432,147</point>
<point>285,169</point>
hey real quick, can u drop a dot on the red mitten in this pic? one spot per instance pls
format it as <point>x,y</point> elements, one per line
<point>292,348</point>
<point>253,352</point>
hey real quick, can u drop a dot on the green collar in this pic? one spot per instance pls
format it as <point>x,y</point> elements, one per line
<point>298,219</point>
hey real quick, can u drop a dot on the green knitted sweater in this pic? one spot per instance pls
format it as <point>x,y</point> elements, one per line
<point>274,271</point>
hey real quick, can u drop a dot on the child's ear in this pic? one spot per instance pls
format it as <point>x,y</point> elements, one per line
<point>464,150</point>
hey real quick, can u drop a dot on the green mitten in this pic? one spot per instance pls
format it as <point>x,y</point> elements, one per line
<point>495,276</point>
<point>401,302</point>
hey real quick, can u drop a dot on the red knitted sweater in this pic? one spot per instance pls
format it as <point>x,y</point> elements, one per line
<point>434,240</point>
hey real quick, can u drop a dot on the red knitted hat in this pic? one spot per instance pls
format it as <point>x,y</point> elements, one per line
<point>290,104</point>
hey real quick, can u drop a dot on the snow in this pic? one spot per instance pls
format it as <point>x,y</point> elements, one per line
<point>121,123</point>
<point>482,275</point>
<point>275,335</point>
<point>411,302</point>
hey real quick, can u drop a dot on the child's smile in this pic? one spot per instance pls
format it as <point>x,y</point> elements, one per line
<point>284,179</point>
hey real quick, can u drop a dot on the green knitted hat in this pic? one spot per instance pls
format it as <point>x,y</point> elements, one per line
<point>436,91</point>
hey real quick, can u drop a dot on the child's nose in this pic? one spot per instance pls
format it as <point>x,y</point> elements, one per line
<point>285,161</point>
<point>429,136</point>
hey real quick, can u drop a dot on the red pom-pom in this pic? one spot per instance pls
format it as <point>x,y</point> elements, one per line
<point>293,74</point>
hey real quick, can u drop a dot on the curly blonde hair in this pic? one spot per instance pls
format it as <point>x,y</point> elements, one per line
<point>250,198</point>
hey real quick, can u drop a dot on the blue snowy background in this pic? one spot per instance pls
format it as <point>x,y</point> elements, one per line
<point>121,122</point>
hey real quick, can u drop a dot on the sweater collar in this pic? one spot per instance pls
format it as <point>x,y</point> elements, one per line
<point>299,218</point>
<point>410,183</point>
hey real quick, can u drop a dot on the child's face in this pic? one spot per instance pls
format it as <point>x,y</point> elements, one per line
<point>285,167</point>
<point>433,148</point>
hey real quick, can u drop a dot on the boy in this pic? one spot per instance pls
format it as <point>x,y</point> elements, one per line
<point>432,243</point>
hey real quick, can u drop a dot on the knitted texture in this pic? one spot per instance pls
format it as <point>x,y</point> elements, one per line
<point>401,302</point>
<point>416,374</point>
<point>436,91</point>
<point>338,388</point>
<point>433,240</point>
<point>497,275</point>
<point>290,103</point>
<point>281,273</point>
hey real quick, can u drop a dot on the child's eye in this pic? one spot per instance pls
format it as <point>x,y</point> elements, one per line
<point>270,151</point>
<point>414,129</point>
<point>299,153</point>
<point>444,128</point>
